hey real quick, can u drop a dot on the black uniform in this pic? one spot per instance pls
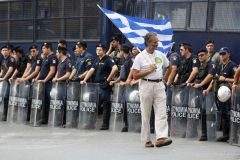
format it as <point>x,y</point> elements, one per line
<point>35,61</point>
<point>6,63</point>
<point>185,68</point>
<point>103,68</point>
<point>21,65</point>
<point>228,71</point>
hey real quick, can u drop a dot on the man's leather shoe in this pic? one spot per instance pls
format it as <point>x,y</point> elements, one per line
<point>163,142</point>
<point>149,144</point>
<point>203,138</point>
<point>223,139</point>
<point>124,129</point>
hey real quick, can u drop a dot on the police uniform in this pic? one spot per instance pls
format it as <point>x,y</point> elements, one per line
<point>103,68</point>
<point>83,63</point>
<point>48,62</point>
<point>35,61</point>
<point>64,67</point>
<point>6,63</point>
<point>185,68</point>
<point>21,65</point>
<point>228,71</point>
<point>152,93</point>
<point>1,58</point>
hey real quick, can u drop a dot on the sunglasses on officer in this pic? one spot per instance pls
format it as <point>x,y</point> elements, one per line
<point>222,53</point>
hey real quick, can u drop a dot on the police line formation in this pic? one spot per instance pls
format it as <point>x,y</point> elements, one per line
<point>44,89</point>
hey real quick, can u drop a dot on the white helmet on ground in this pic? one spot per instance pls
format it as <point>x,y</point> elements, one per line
<point>224,93</point>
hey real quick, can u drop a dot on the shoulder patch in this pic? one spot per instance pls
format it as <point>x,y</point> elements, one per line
<point>54,61</point>
<point>69,65</point>
<point>174,58</point>
<point>12,59</point>
<point>38,61</point>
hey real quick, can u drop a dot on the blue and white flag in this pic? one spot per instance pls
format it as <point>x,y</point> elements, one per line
<point>135,29</point>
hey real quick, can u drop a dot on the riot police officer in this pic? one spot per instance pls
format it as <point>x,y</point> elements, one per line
<point>225,73</point>
<point>63,43</point>
<point>7,68</point>
<point>46,74</point>
<point>84,61</point>
<point>206,72</point>
<point>189,65</point>
<point>35,61</point>
<point>64,67</point>
<point>224,77</point>
<point>104,70</point>
<point>21,62</point>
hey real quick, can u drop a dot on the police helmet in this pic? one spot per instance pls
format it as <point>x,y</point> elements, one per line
<point>223,94</point>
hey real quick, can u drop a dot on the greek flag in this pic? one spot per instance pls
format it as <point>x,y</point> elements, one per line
<point>135,29</point>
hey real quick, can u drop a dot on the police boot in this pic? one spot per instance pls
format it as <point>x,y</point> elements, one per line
<point>5,109</point>
<point>225,128</point>
<point>204,127</point>
<point>106,115</point>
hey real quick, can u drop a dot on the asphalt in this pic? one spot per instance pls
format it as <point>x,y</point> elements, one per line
<point>23,142</point>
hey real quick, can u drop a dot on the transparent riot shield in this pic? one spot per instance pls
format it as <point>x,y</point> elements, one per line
<point>234,138</point>
<point>88,110</point>
<point>13,102</point>
<point>23,97</point>
<point>179,111</point>
<point>57,104</point>
<point>72,104</point>
<point>211,116</point>
<point>117,104</point>
<point>194,113</point>
<point>133,108</point>
<point>38,92</point>
<point>4,94</point>
<point>169,106</point>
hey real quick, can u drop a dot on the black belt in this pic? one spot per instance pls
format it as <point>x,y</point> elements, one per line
<point>152,80</point>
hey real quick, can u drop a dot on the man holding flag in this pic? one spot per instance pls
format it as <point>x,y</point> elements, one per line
<point>148,67</point>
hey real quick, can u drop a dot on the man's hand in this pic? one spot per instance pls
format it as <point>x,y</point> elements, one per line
<point>222,78</point>
<point>234,87</point>
<point>54,80</point>
<point>152,68</point>
<point>197,85</point>
<point>83,82</point>
<point>41,81</point>
<point>205,92</point>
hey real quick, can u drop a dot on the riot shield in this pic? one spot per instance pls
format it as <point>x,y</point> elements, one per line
<point>38,92</point>
<point>133,108</point>
<point>179,111</point>
<point>88,110</point>
<point>169,106</point>
<point>194,113</point>
<point>4,94</point>
<point>72,103</point>
<point>234,138</point>
<point>117,104</point>
<point>57,104</point>
<point>211,116</point>
<point>23,97</point>
<point>13,102</point>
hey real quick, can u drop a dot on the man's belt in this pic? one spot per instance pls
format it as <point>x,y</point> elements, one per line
<point>152,80</point>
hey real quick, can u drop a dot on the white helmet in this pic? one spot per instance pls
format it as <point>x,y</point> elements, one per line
<point>86,97</point>
<point>224,93</point>
<point>53,92</point>
<point>178,98</point>
<point>134,96</point>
